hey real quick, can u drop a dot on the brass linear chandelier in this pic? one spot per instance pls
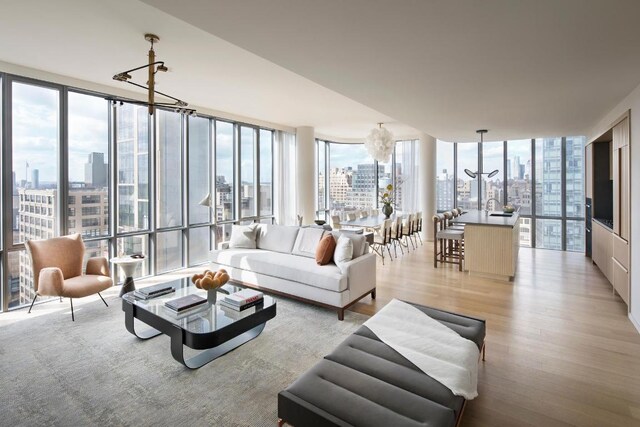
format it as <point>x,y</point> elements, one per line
<point>153,67</point>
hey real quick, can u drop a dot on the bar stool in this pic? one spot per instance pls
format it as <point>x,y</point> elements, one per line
<point>450,242</point>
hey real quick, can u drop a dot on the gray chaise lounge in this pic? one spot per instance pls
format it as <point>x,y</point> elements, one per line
<point>364,382</point>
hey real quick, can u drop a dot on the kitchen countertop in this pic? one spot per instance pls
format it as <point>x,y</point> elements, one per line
<point>476,217</point>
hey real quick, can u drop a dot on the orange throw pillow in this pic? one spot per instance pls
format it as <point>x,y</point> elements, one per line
<point>325,250</point>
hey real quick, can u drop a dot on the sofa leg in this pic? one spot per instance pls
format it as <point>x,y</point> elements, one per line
<point>72,317</point>
<point>341,314</point>
<point>373,294</point>
<point>484,347</point>
<point>280,422</point>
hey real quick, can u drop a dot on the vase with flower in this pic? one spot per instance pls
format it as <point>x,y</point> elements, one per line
<point>386,198</point>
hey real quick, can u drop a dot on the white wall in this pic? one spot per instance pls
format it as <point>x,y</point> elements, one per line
<point>631,102</point>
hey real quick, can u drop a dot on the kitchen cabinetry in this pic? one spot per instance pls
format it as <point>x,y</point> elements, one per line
<point>602,251</point>
<point>621,208</point>
<point>588,171</point>
<point>621,179</point>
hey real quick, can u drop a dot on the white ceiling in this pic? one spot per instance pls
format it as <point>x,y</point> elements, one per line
<point>518,68</point>
<point>92,40</point>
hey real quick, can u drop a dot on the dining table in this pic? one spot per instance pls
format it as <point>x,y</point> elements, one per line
<point>374,221</point>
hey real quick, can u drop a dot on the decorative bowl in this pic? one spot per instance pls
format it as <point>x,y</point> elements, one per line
<point>508,209</point>
<point>320,222</point>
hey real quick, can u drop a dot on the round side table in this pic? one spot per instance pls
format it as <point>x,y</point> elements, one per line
<point>128,266</point>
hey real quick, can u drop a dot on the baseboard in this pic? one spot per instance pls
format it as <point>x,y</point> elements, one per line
<point>634,322</point>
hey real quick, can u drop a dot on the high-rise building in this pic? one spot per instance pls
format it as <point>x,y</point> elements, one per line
<point>96,171</point>
<point>35,179</point>
<point>445,191</point>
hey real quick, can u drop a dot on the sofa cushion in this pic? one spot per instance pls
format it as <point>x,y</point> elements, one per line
<point>243,236</point>
<point>358,241</point>
<point>344,251</point>
<point>307,242</point>
<point>277,238</point>
<point>358,398</point>
<point>284,266</point>
<point>325,250</point>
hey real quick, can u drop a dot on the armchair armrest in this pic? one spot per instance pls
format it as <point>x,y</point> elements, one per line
<point>223,245</point>
<point>98,266</point>
<point>51,282</point>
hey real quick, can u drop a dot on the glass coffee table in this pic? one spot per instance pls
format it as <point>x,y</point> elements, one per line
<point>212,328</point>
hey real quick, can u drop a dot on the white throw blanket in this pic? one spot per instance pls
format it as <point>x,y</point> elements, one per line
<point>434,348</point>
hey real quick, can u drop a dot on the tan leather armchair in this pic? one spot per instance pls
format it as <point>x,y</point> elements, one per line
<point>57,269</point>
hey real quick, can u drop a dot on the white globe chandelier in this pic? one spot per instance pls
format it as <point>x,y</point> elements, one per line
<point>380,143</point>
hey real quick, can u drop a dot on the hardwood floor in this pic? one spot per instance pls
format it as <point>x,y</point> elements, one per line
<point>560,348</point>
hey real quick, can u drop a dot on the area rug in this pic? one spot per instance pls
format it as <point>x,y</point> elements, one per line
<point>93,372</point>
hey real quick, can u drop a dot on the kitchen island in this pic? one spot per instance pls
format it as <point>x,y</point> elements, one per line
<point>491,243</point>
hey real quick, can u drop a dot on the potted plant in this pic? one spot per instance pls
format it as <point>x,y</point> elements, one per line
<point>386,198</point>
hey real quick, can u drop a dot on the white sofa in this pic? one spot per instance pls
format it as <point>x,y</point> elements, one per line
<point>283,262</point>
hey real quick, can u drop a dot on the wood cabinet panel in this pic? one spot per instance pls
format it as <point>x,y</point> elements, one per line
<point>621,281</point>
<point>621,251</point>
<point>625,193</point>
<point>602,252</point>
<point>588,171</point>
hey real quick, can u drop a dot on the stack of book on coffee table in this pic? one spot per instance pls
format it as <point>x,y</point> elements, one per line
<point>242,301</point>
<point>186,304</point>
<point>153,291</point>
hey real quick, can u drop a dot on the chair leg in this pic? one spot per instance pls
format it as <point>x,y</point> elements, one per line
<point>105,303</point>
<point>34,300</point>
<point>72,317</point>
<point>389,250</point>
<point>419,237</point>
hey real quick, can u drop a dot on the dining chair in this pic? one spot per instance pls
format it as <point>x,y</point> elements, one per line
<point>396,235</point>
<point>382,240</point>
<point>352,216</point>
<point>364,214</point>
<point>417,230</point>
<point>335,222</point>
<point>375,212</point>
<point>407,231</point>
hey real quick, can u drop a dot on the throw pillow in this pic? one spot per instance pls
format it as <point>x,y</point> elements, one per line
<point>344,251</point>
<point>325,250</point>
<point>243,237</point>
<point>358,241</point>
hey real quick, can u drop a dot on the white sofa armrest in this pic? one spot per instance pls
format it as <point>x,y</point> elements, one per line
<point>361,275</point>
<point>223,245</point>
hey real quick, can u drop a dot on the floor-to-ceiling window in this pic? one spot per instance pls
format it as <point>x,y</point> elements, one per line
<point>467,191</point>
<point>89,177</point>
<point>201,202</point>
<point>543,178</point>
<point>133,176</point>
<point>445,184</point>
<point>519,186</point>
<point>162,185</point>
<point>348,179</point>
<point>35,142</point>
